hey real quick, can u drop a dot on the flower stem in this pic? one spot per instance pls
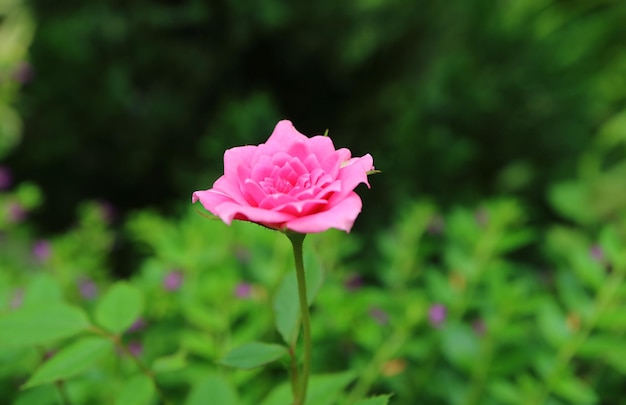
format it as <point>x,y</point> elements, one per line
<point>297,240</point>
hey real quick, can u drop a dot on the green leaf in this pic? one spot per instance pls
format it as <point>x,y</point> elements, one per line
<point>138,390</point>
<point>173,362</point>
<point>378,400</point>
<point>323,390</point>
<point>42,395</point>
<point>576,390</point>
<point>287,304</point>
<point>70,361</point>
<point>119,308</point>
<point>459,344</point>
<point>42,290</point>
<point>40,324</point>
<point>553,324</point>
<point>253,354</point>
<point>219,390</point>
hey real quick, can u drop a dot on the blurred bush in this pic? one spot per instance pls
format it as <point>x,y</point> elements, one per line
<point>137,101</point>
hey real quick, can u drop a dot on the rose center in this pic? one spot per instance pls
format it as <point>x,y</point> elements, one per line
<point>280,185</point>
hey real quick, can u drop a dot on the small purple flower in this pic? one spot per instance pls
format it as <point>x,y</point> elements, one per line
<point>135,348</point>
<point>173,280</point>
<point>353,282</point>
<point>437,315</point>
<point>5,178</point>
<point>138,325</point>
<point>23,73</point>
<point>87,288</point>
<point>243,290</point>
<point>41,250</point>
<point>379,316</point>
<point>16,212</point>
<point>479,327</point>
<point>597,254</point>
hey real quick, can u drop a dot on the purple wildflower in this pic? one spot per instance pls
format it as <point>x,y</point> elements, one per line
<point>437,315</point>
<point>138,325</point>
<point>135,348</point>
<point>173,280</point>
<point>23,73</point>
<point>16,212</point>
<point>5,178</point>
<point>379,316</point>
<point>479,327</point>
<point>353,282</point>
<point>41,250</point>
<point>597,253</point>
<point>243,290</point>
<point>87,288</point>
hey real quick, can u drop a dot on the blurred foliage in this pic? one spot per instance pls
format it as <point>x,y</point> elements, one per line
<point>136,101</point>
<point>445,315</point>
<point>16,31</point>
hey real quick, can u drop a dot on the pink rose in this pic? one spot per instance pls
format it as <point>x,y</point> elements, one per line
<point>291,182</point>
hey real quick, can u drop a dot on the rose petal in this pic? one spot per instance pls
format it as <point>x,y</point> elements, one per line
<point>235,158</point>
<point>341,216</point>
<point>283,136</point>
<point>228,211</point>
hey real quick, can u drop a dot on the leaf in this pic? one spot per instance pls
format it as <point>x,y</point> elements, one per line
<point>576,391</point>
<point>323,390</point>
<point>42,395</point>
<point>553,324</point>
<point>173,362</point>
<point>287,304</point>
<point>119,308</point>
<point>216,388</point>
<point>42,290</point>
<point>40,324</point>
<point>70,361</point>
<point>459,344</point>
<point>254,354</point>
<point>378,400</point>
<point>138,390</point>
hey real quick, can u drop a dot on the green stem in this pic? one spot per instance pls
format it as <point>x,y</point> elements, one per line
<point>60,384</point>
<point>297,240</point>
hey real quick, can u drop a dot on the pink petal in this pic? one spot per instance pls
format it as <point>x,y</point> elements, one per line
<point>283,136</point>
<point>355,173</point>
<point>321,146</point>
<point>236,157</point>
<point>341,216</point>
<point>228,211</point>
<point>210,199</point>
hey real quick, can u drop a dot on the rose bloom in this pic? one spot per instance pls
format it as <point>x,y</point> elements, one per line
<point>291,182</point>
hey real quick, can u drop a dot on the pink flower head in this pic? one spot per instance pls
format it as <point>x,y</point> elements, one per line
<point>291,182</point>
